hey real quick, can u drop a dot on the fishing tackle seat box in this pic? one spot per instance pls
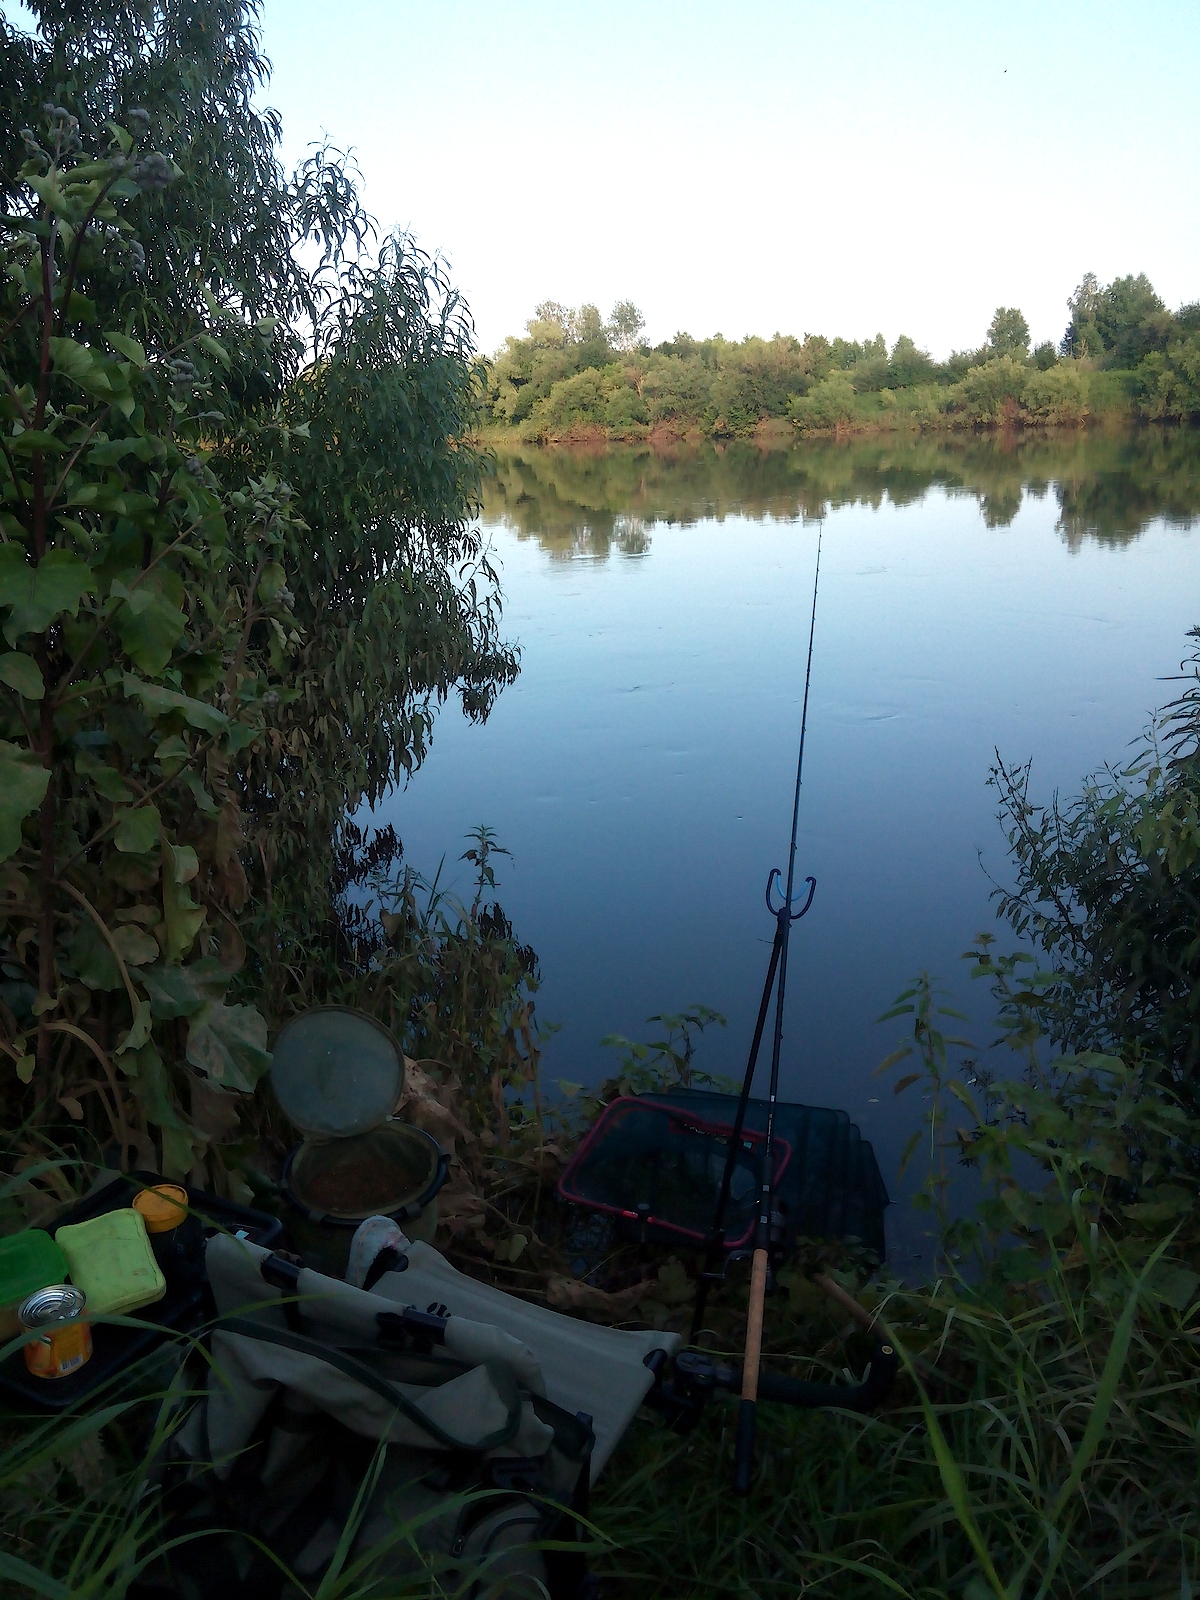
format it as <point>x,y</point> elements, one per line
<point>186,1305</point>
<point>309,1374</point>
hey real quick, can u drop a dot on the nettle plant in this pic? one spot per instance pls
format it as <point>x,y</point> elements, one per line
<point>142,607</point>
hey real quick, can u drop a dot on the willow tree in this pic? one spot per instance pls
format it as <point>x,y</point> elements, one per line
<point>251,414</point>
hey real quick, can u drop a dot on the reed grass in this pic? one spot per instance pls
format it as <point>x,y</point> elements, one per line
<point>1042,1448</point>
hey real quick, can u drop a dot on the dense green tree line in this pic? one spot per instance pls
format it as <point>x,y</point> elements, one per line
<point>574,374</point>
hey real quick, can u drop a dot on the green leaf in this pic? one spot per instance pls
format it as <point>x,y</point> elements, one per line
<point>22,673</point>
<point>137,830</point>
<point>23,782</point>
<point>183,917</point>
<point>127,347</point>
<point>24,444</point>
<point>901,1054</point>
<point>218,352</point>
<point>121,135</point>
<point>37,595</point>
<point>241,734</point>
<point>229,1045</point>
<point>139,1032</point>
<point>271,581</point>
<point>110,451</point>
<point>109,783</point>
<point>171,751</point>
<point>953,1481</point>
<point>1106,1392</point>
<point>148,625</point>
<point>135,945</point>
<point>160,702</point>
<point>1176,1285</point>
<point>28,1577</point>
<point>961,1092</point>
<point>94,962</point>
<point>180,991</point>
<point>186,863</point>
<point>76,361</point>
<point>204,801</point>
<point>180,1152</point>
<point>154,1087</point>
<point>906,1154</point>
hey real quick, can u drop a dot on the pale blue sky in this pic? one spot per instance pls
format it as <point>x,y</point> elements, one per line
<point>838,168</point>
<point>842,168</point>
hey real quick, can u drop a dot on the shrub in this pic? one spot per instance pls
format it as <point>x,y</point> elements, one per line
<point>625,408</point>
<point>1169,381</point>
<point>572,401</point>
<point>1058,394</point>
<point>829,404</point>
<point>991,392</point>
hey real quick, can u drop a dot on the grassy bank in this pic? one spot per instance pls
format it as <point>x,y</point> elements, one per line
<point>1041,1440</point>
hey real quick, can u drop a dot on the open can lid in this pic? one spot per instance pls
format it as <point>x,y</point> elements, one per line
<point>336,1071</point>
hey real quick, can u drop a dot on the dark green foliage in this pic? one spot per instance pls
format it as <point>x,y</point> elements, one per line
<point>1008,334</point>
<point>909,366</point>
<point>1168,380</point>
<point>1108,885</point>
<point>1119,323</point>
<point>249,570</point>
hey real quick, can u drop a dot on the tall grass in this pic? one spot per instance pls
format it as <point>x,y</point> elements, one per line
<point>1042,1443</point>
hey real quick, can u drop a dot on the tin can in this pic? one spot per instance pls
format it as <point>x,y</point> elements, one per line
<point>65,1340</point>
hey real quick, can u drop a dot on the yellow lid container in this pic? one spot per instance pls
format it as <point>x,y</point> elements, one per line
<point>109,1257</point>
<point>162,1208</point>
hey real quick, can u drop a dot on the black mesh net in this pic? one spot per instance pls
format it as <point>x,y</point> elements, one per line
<point>666,1153</point>
<point>660,1166</point>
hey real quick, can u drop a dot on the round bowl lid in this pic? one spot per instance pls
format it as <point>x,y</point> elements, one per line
<point>336,1071</point>
<point>162,1208</point>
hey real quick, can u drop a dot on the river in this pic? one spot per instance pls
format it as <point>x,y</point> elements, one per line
<point>1024,594</point>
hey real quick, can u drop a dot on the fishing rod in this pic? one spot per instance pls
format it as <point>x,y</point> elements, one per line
<point>765,1226</point>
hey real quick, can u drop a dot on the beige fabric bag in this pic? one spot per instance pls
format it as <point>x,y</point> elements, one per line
<point>324,1410</point>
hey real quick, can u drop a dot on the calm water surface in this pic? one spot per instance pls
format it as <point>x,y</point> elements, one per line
<point>974,595</point>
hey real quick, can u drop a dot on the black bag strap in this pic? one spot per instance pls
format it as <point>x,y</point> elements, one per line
<point>361,1373</point>
<point>573,1433</point>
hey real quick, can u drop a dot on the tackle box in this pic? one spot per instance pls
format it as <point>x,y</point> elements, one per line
<point>186,1305</point>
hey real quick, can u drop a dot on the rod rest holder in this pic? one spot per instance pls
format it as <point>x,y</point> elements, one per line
<point>698,1375</point>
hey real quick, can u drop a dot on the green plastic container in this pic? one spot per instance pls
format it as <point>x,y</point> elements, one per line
<point>28,1262</point>
<point>111,1259</point>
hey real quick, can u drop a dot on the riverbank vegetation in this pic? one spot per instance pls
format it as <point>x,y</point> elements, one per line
<point>574,376</point>
<point>238,572</point>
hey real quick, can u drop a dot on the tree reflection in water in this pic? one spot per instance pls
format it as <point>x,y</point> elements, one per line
<point>589,503</point>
